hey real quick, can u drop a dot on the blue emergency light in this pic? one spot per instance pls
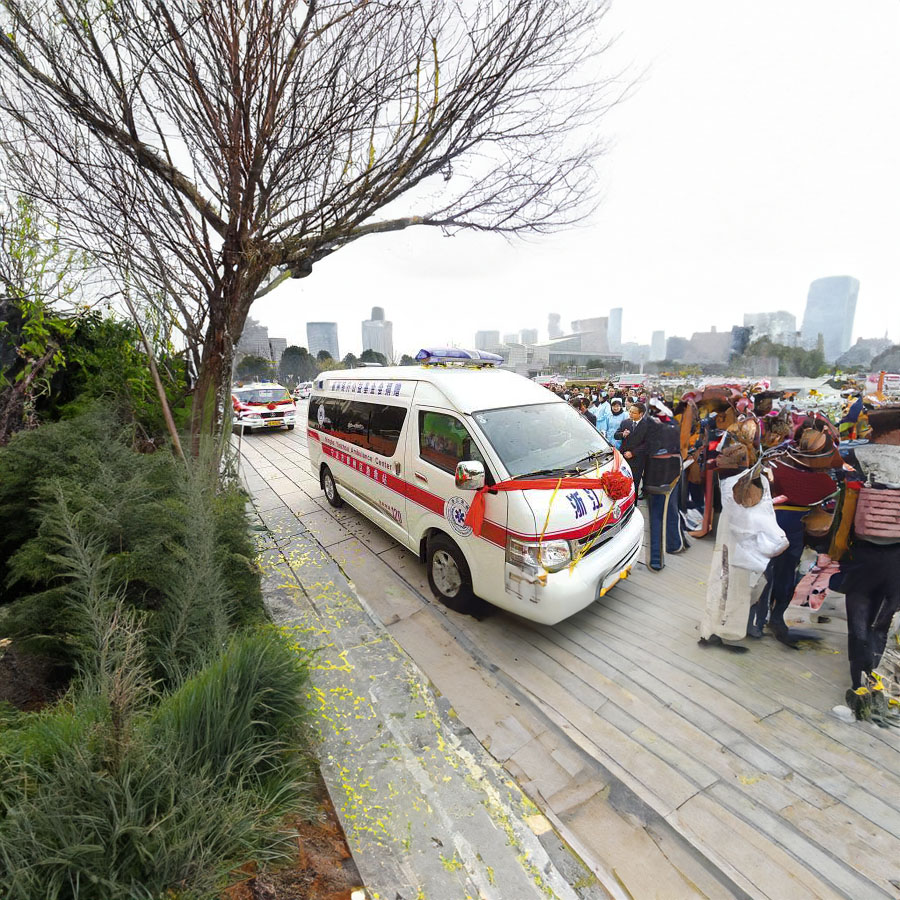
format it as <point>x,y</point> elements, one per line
<point>442,356</point>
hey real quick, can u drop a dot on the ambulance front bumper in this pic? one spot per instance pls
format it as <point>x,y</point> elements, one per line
<point>551,597</point>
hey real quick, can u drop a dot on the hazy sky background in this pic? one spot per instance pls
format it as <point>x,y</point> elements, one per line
<point>761,151</point>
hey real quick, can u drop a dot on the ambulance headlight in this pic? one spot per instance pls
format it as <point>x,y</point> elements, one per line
<point>549,555</point>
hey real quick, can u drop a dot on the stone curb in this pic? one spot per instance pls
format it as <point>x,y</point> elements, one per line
<point>427,812</point>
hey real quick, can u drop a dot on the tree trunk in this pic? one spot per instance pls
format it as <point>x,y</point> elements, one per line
<point>228,314</point>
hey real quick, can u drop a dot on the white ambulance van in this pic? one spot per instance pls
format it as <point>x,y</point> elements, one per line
<point>407,447</point>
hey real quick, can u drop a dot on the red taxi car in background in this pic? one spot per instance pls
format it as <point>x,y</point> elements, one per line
<point>261,406</point>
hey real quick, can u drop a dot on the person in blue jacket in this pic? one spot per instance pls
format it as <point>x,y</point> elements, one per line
<point>610,424</point>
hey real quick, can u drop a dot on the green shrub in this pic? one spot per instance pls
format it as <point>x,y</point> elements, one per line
<point>197,786</point>
<point>105,360</point>
<point>175,537</point>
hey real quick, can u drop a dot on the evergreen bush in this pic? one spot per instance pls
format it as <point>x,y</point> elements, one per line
<point>176,539</point>
<point>126,789</point>
<point>95,806</point>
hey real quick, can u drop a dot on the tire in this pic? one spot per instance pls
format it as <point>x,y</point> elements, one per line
<point>246,429</point>
<point>330,488</point>
<point>290,428</point>
<point>449,576</point>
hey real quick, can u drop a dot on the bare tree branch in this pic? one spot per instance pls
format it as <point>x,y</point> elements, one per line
<point>205,144</point>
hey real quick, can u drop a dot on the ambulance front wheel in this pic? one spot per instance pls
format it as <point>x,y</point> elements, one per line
<point>448,574</point>
<point>330,488</point>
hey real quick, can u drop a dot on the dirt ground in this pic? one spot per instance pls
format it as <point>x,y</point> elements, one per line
<point>28,681</point>
<point>322,868</point>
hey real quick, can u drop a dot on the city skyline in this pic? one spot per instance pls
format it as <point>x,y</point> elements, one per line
<point>723,192</point>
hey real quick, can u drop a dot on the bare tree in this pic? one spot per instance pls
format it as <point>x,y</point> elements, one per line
<point>214,148</point>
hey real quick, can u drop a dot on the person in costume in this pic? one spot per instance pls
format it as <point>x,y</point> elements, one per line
<point>747,537</point>
<point>870,568</point>
<point>802,478</point>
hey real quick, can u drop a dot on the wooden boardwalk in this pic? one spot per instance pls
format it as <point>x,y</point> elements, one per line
<point>685,771</point>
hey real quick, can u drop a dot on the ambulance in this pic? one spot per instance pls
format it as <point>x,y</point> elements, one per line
<point>262,406</point>
<point>414,448</point>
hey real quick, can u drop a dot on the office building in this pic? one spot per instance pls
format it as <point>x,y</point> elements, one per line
<point>526,360</point>
<point>710,346</point>
<point>322,336</point>
<point>614,329</point>
<point>633,352</point>
<point>657,346</point>
<point>487,340</point>
<point>378,334</point>
<point>529,336</point>
<point>511,338</point>
<point>678,348</point>
<point>277,346</point>
<point>255,341</point>
<point>779,327</point>
<point>587,342</point>
<point>553,327</point>
<point>830,309</point>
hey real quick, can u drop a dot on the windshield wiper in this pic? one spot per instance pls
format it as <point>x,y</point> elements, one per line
<point>540,473</point>
<point>596,455</point>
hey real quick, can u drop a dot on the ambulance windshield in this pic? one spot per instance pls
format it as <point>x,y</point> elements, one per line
<point>262,395</point>
<point>545,439</point>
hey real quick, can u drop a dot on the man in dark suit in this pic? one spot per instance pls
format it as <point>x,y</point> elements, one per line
<point>663,470</point>
<point>633,434</point>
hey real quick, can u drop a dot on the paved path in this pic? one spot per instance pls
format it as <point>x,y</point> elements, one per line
<point>676,770</point>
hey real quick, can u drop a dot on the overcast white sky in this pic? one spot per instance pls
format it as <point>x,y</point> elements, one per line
<point>761,151</point>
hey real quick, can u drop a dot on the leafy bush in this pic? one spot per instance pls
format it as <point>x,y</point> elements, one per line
<point>176,539</point>
<point>106,360</point>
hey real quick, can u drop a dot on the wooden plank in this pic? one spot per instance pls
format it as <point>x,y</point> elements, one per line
<point>650,720</point>
<point>833,869</point>
<point>668,786</point>
<point>749,855</point>
<point>784,688</point>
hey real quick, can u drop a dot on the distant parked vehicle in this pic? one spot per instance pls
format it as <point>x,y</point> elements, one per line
<point>303,390</point>
<point>261,406</point>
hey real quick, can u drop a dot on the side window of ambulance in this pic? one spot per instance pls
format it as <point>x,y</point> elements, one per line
<point>444,441</point>
<point>385,426</point>
<point>374,426</point>
<point>345,419</point>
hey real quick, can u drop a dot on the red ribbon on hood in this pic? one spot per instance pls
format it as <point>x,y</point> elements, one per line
<point>475,515</point>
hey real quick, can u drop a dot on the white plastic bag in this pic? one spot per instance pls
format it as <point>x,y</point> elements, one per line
<point>756,534</point>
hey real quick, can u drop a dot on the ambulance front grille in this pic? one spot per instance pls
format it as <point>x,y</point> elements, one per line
<point>600,539</point>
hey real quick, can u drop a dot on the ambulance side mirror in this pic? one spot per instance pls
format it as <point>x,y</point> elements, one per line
<point>469,475</point>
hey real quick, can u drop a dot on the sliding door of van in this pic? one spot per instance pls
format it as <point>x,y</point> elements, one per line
<point>362,446</point>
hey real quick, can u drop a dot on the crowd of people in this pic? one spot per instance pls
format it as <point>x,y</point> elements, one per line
<point>784,483</point>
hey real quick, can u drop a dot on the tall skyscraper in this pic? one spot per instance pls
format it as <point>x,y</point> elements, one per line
<point>487,340</point>
<point>657,346</point>
<point>255,341</point>
<point>553,326</point>
<point>378,334</point>
<point>529,336</point>
<point>322,336</point>
<point>614,330</point>
<point>830,308</point>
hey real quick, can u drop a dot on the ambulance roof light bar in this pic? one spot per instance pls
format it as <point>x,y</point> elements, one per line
<point>454,356</point>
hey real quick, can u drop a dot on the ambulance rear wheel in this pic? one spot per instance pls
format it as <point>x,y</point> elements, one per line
<point>448,574</point>
<point>330,488</point>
